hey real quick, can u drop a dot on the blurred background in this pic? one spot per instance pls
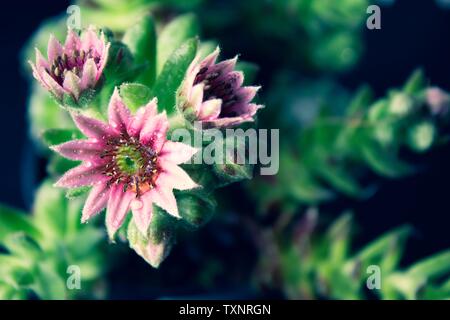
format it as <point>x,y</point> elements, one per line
<point>413,35</point>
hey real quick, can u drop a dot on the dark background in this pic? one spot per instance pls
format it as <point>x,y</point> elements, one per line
<point>414,34</point>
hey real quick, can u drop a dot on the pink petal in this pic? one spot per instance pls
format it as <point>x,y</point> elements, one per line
<point>226,122</point>
<point>154,131</point>
<point>118,207</point>
<point>55,49</point>
<point>235,79</point>
<point>246,110</point>
<point>38,75</point>
<point>211,58</point>
<point>96,201</point>
<point>89,75</point>
<point>177,152</point>
<point>89,40</point>
<point>224,68</point>
<point>103,61</point>
<point>83,150</point>
<point>142,209</point>
<point>175,178</point>
<point>210,109</point>
<point>53,86</point>
<point>72,84</point>
<point>163,197</point>
<point>41,62</point>
<point>93,128</point>
<point>83,175</point>
<point>196,97</point>
<point>246,94</point>
<point>143,115</point>
<point>72,43</point>
<point>118,114</point>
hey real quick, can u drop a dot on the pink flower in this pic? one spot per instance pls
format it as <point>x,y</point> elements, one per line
<point>213,93</point>
<point>128,162</point>
<point>73,67</point>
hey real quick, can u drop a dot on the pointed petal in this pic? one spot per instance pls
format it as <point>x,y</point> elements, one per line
<point>73,42</point>
<point>96,201</point>
<point>154,131</point>
<point>226,122</point>
<point>89,75</point>
<point>38,75</point>
<point>93,128</point>
<point>211,58</point>
<point>103,61</point>
<point>175,178</point>
<point>142,212</point>
<point>246,94</point>
<point>163,197</point>
<point>142,116</point>
<point>53,86</point>
<point>244,110</point>
<point>118,113</point>
<point>210,109</point>
<point>83,150</point>
<point>82,175</point>
<point>196,97</point>
<point>54,49</point>
<point>41,62</point>
<point>118,207</point>
<point>177,152</point>
<point>224,68</point>
<point>72,84</point>
<point>89,39</point>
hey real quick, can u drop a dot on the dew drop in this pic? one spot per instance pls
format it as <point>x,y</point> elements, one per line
<point>136,205</point>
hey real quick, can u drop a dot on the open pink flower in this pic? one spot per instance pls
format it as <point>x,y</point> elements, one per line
<point>73,67</point>
<point>212,93</point>
<point>128,162</point>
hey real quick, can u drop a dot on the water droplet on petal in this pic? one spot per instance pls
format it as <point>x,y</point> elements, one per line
<point>88,164</point>
<point>137,204</point>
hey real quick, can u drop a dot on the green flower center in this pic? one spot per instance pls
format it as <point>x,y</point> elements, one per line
<point>131,164</point>
<point>129,159</point>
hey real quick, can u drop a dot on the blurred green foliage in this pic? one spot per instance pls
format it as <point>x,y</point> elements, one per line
<point>38,249</point>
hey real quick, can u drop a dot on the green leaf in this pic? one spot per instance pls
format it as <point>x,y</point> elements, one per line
<point>360,102</point>
<point>49,285</point>
<point>135,95</point>
<point>12,221</point>
<point>173,74</point>
<point>56,136</point>
<point>19,244</point>
<point>77,192</point>
<point>196,208</point>
<point>378,248</point>
<point>415,83</point>
<point>58,165</point>
<point>85,242</point>
<point>173,36</point>
<point>44,113</point>
<point>432,267</point>
<point>141,40</point>
<point>50,208</point>
<point>383,162</point>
